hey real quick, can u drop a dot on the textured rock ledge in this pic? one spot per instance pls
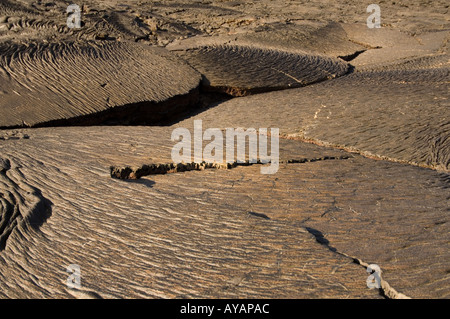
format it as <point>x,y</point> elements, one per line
<point>21,205</point>
<point>56,83</point>
<point>244,70</point>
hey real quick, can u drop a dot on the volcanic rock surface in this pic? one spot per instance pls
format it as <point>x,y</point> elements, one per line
<point>364,149</point>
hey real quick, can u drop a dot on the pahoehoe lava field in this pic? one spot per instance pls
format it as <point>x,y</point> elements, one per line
<point>87,175</point>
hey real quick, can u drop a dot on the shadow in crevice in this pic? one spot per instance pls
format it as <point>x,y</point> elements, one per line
<point>260,215</point>
<point>206,101</point>
<point>352,56</point>
<point>166,113</point>
<point>41,212</point>
<point>323,241</point>
<point>15,216</point>
<point>320,238</point>
<point>143,181</point>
